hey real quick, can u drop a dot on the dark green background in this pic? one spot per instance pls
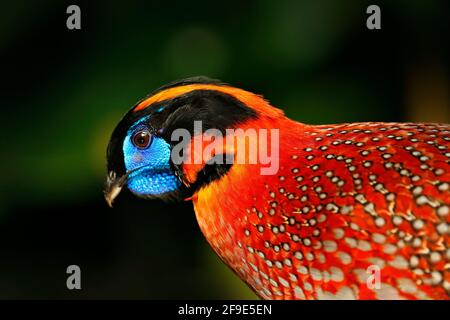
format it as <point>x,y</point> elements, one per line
<point>62,92</point>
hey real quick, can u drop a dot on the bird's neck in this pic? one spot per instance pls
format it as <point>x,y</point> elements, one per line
<point>224,207</point>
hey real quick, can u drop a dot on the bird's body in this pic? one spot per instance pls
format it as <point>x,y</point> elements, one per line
<point>346,197</point>
<point>354,211</point>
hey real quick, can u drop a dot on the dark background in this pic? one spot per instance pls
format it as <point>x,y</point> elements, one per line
<point>62,92</point>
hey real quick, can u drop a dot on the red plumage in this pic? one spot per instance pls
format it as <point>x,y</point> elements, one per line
<point>346,197</point>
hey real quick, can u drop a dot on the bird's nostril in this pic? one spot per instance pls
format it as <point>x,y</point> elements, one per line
<point>113,186</point>
<point>112,175</point>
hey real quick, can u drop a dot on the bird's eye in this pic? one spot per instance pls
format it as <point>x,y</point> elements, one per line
<point>141,139</point>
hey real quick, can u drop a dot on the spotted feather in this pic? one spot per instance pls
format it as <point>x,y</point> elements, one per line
<point>347,198</point>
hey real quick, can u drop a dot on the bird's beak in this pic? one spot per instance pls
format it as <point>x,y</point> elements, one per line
<point>113,186</point>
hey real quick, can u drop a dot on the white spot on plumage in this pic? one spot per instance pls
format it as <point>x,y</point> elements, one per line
<point>421,200</point>
<point>308,286</point>
<point>378,238</point>
<point>344,257</point>
<point>416,242</point>
<point>387,292</point>
<point>293,277</point>
<point>253,267</point>
<point>330,245</point>
<point>309,256</point>
<point>264,275</point>
<point>344,293</point>
<point>336,274</point>
<point>443,186</point>
<point>377,261</point>
<point>302,270</point>
<point>257,281</point>
<point>436,277</point>
<point>414,261</point>
<point>298,255</point>
<point>283,282</point>
<point>442,228</point>
<point>288,262</point>
<point>380,222</point>
<point>298,292</point>
<point>417,190</point>
<point>407,285</point>
<point>399,263</point>
<point>418,224</point>
<point>351,242</point>
<point>273,283</point>
<point>315,274</point>
<point>267,292</point>
<point>364,245</point>
<point>435,257</point>
<point>361,275</point>
<point>397,220</point>
<point>443,210</point>
<point>338,233</point>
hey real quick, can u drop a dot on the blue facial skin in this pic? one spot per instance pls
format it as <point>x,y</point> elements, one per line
<point>155,176</point>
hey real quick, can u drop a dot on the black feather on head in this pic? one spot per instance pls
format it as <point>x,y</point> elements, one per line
<point>215,109</point>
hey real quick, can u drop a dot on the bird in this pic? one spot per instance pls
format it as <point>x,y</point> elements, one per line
<point>351,211</point>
